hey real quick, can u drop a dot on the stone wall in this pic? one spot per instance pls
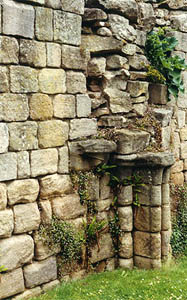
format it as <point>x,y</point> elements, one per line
<point>70,103</point>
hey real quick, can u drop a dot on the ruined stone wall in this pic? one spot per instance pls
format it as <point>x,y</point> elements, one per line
<point>68,104</point>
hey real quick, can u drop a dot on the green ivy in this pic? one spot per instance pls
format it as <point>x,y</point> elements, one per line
<point>158,50</point>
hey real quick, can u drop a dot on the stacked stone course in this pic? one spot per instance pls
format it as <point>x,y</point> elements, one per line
<point>57,88</point>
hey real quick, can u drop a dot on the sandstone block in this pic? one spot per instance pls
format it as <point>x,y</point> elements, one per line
<point>42,251</point>
<point>158,93</point>
<point>83,106</point>
<point>125,218</point>
<point>68,207</point>
<point>163,115</point>
<point>166,175</point>
<point>148,18</point>
<point>23,79</point>
<point>6,223</point>
<point>29,294</point>
<point>156,196</point>
<point>129,49</point>
<point>93,14</point>
<point>126,245</point>
<point>121,28</point>
<point>40,272</point>
<point>44,24</point>
<point>22,191</point>
<point>53,3</point>
<point>23,136</point>
<point>13,107</point>
<point>116,62</point>
<point>185,164</point>
<point>52,81</point>
<point>26,217</point>
<point>177,167</point>
<point>16,251</point>
<point>4,80</point>
<point>157,174</point>
<point>148,219</point>
<point>3,196</point>
<point>51,285</point>
<point>52,133</point>
<point>23,164</point>
<point>63,165</point>
<point>8,166</point>
<point>4,137</point>
<point>44,162</point>
<point>74,7</point>
<point>41,107</point>
<point>76,82</point>
<point>96,66</point>
<point>53,186</point>
<point>64,106</point>
<point>53,55</point>
<point>137,88</point>
<point>165,236</point>
<point>23,22</point>
<point>137,61</point>
<point>45,211</point>
<point>74,58</point>
<point>8,45</point>
<point>119,100</point>
<point>95,43</point>
<point>126,263</point>
<point>183,134</point>
<point>67,27</point>
<point>33,53</point>
<point>77,128</point>
<point>125,196</point>
<point>147,244</point>
<point>106,249</point>
<point>147,263</point>
<point>104,187</point>
<point>177,178</point>
<point>11,283</point>
<point>165,193</point>
<point>104,205</point>
<point>181,118</point>
<point>166,137</point>
<point>166,217</point>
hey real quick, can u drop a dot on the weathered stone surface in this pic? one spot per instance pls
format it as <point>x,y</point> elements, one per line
<point>45,211</point>
<point>16,251</point>
<point>125,218</point>
<point>138,61</point>
<point>177,4</point>
<point>23,79</point>
<point>28,294</point>
<point>104,205</point>
<point>51,285</point>
<point>53,3</point>
<point>44,162</point>
<point>67,28</point>
<point>105,191</point>
<point>183,134</point>
<point>63,165</point>
<point>11,283</point>
<point>8,45</point>
<point>177,178</point>
<point>166,137</point>
<point>53,186</point>
<point>165,193</point>
<point>126,245</point>
<point>165,236</point>
<point>23,191</point>
<point>157,174</point>
<point>64,106</point>
<point>95,43</point>
<point>96,66</point>
<point>115,62</point>
<point>137,88</point>
<point>132,141</point>
<point>156,197</point>
<point>83,106</point>
<point>13,107</point>
<point>52,81</point>
<point>44,24</point>
<point>41,107</point>
<point>125,197</point>
<point>112,121</point>
<point>181,38</point>
<point>177,167</point>
<point>181,118</point>
<point>23,164</point>
<point>76,82</point>
<point>115,80</point>
<point>4,79</point>
<point>126,263</point>
<point>4,137</point>
<point>73,6</point>
<point>163,115</point>
<point>23,136</point>
<point>53,55</point>
<point>33,53</point>
<point>147,263</point>
<point>23,22</point>
<point>3,196</point>
<point>74,58</point>
<point>26,217</point>
<point>42,251</point>
<point>40,272</point>
<point>93,14</point>
<point>184,150</point>
<point>8,166</point>
<point>119,100</point>
<point>158,94</point>
<point>166,217</point>
<point>106,249</point>
<point>148,219</point>
<point>93,146</point>
<point>68,207</point>
<point>147,244</point>
<point>121,28</point>
<point>147,17</point>
<point>129,49</point>
<point>52,133</point>
<point>77,128</point>
<point>6,223</point>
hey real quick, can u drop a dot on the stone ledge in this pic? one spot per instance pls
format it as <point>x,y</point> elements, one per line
<point>93,146</point>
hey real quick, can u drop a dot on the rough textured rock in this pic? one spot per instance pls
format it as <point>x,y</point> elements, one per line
<point>52,81</point>
<point>23,191</point>
<point>119,100</point>
<point>29,294</point>
<point>41,107</point>
<point>11,283</point>
<point>45,211</point>
<point>125,196</point>
<point>96,66</point>
<point>95,44</point>
<point>11,45</point>
<point>4,137</point>
<point>44,24</point>
<point>93,14</point>
<point>77,128</point>
<point>73,6</point>
<point>53,55</point>
<point>74,57</point>
<point>148,219</point>
<point>23,164</point>
<point>147,17</point>
<point>40,272</point>
<point>126,245</point>
<point>121,28</point>
<point>6,223</point>
<point>147,263</point>
<point>4,79</point>
<point>76,82</point>
<point>3,196</point>
<point>33,53</point>
<point>125,218</point>
<point>8,166</point>
<point>83,106</point>
<point>63,165</point>
<point>23,79</point>
<point>16,251</point>
<point>44,162</point>
<point>106,249</point>
<point>64,106</point>
<point>147,244</point>
<point>93,146</point>
<point>115,62</point>
<point>126,263</point>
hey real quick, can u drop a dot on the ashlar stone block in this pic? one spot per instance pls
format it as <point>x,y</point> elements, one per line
<point>96,66</point>
<point>64,106</point>
<point>77,128</point>
<point>76,7</point>
<point>44,162</point>
<point>54,55</point>
<point>126,245</point>
<point>147,263</point>
<point>23,22</point>
<point>45,211</point>
<point>125,196</point>
<point>95,43</point>
<point>76,82</point>
<point>40,272</point>
<point>29,294</point>
<point>4,79</point>
<point>148,219</point>
<point>106,249</point>
<point>3,196</point>
<point>4,138</point>
<point>74,57</point>
<point>23,136</point>
<point>13,107</point>
<point>53,3</point>
<point>147,244</point>
<point>8,46</point>
<point>26,217</point>
<point>44,24</point>
<point>126,263</point>
<point>52,81</point>
<point>23,79</point>
<point>16,251</point>
<point>83,106</point>
<point>23,191</point>
<point>125,218</point>
<point>67,28</point>
<point>33,53</point>
<point>6,223</point>
<point>8,166</point>
<point>23,164</point>
<point>11,283</point>
<point>52,133</point>
<point>41,107</point>
<point>63,165</point>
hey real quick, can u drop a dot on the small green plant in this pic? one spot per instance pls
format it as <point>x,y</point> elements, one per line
<point>2,269</point>
<point>158,49</point>
<point>103,168</point>
<point>92,229</point>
